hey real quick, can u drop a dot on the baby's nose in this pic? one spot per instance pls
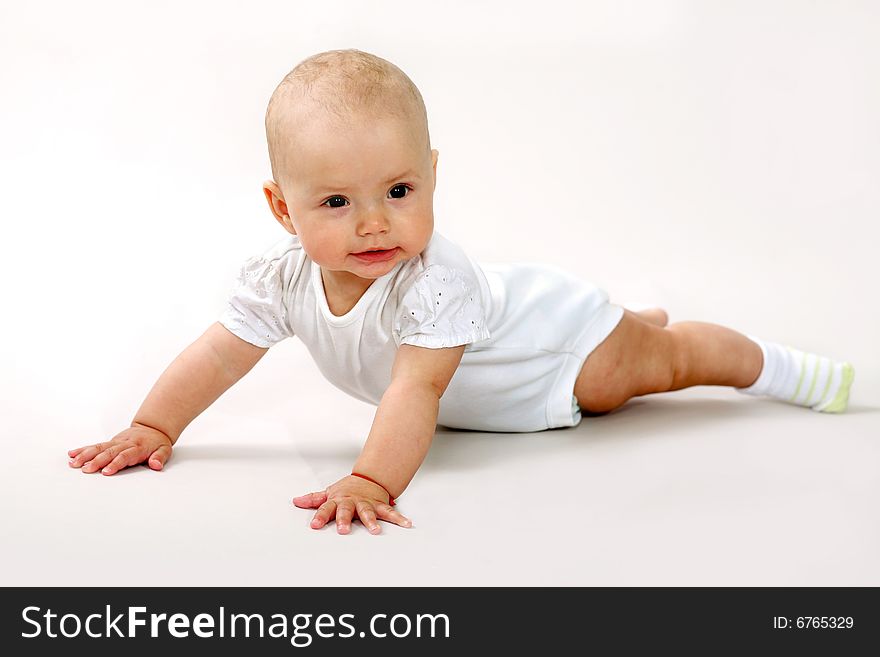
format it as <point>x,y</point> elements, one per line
<point>373,220</point>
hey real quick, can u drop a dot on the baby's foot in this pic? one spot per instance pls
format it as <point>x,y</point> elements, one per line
<point>840,400</point>
<point>802,378</point>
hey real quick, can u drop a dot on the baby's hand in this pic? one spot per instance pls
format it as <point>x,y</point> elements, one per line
<point>134,445</point>
<point>347,497</point>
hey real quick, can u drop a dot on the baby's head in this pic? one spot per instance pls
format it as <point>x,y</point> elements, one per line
<point>352,162</point>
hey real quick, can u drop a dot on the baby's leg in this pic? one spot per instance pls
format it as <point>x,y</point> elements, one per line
<point>640,357</point>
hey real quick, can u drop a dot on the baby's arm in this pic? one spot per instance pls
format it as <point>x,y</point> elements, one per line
<point>190,384</point>
<point>402,431</point>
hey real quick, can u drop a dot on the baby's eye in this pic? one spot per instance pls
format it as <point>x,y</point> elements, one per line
<point>335,199</point>
<point>399,191</point>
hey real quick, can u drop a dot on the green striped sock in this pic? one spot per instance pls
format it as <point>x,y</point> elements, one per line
<point>802,378</point>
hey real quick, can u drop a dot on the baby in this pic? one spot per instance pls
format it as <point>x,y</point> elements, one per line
<point>398,316</point>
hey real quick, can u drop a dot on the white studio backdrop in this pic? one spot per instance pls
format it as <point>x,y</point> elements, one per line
<point>720,159</point>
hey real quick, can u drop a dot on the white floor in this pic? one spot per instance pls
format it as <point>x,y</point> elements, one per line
<point>718,159</point>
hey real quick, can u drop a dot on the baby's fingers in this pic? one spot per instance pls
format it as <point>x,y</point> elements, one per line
<point>86,454</point>
<point>344,514</point>
<point>160,457</point>
<point>310,500</point>
<point>324,514</point>
<point>389,514</point>
<point>367,515</point>
<point>130,456</point>
<point>103,458</point>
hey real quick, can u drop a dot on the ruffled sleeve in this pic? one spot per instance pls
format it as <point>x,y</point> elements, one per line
<point>442,308</point>
<point>256,310</point>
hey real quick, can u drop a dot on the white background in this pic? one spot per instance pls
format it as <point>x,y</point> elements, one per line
<point>720,159</point>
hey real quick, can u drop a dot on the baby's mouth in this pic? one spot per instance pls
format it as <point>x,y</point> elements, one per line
<point>377,255</point>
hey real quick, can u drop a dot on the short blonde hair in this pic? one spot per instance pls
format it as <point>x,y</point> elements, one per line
<point>341,84</point>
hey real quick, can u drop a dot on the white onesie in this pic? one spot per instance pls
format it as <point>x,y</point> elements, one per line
<point>528,329</point>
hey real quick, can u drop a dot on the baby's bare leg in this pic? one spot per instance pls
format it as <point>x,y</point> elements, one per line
<point>640,357</point>
<point>715,356</point>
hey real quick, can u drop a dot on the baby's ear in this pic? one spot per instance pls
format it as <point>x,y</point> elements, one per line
<point>434,154</point>
<point>275,198</point>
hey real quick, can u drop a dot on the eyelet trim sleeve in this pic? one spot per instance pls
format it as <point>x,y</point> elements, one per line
<point>442,309</point>
<point>256,311</point>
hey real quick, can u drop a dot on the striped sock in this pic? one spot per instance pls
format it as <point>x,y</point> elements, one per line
<point>802,378</point>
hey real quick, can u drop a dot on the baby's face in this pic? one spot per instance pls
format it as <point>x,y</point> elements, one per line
<point>361,188</point>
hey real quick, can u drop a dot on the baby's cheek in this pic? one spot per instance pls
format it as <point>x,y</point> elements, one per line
<point>320,247</point>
